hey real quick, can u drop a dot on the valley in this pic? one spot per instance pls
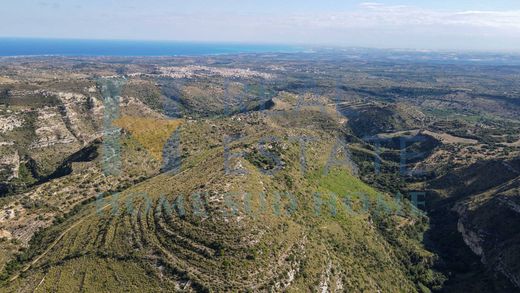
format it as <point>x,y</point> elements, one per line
<point>294,172</point>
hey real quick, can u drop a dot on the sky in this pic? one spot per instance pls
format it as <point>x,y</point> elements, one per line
<point>483,25</point>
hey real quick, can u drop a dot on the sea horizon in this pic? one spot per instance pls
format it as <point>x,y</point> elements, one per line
<point>32,47</point>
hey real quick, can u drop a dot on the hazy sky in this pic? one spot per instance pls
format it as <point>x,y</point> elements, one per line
<point>432,24</point>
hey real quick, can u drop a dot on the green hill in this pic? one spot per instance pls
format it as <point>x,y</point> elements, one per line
<point>257,225</point>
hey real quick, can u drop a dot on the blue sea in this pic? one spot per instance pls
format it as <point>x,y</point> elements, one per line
<point>72,47</point>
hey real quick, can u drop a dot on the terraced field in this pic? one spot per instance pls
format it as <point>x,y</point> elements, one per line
<point>261,173</point>
<point>212,228</point>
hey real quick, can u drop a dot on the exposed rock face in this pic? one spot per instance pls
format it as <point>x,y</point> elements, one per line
<point>81,114</point>
<point>71,115</point>
<point>8,123</point>
<point>56,130</point>
<point>51,129</point>
<point>76,120</point>
<point>79,118</point>
<point>488,224</point>
<point>96,107</point>
<point>471,239</point>
<point>9,166</point>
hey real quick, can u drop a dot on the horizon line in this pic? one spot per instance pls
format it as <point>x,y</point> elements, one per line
<point>307,46</point>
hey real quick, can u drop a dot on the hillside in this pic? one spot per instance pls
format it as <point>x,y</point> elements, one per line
<point>296,173</point>
<point>257,228</point>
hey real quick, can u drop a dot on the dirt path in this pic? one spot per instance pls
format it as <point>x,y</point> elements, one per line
<point>53,244</point>
<point>27,267</point>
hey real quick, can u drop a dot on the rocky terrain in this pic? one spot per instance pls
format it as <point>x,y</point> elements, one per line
<point>254,173</point>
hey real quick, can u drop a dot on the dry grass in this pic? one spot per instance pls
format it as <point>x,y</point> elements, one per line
<point>151,133</point>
